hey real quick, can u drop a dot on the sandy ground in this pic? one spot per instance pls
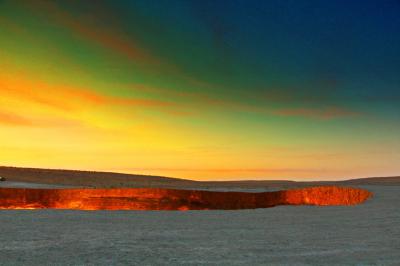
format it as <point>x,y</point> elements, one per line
<point>367,234</point>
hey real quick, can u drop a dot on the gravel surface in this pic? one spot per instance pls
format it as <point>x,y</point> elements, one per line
<point>367,234</point>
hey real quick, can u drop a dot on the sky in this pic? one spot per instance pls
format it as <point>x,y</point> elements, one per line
<point>204,90</point>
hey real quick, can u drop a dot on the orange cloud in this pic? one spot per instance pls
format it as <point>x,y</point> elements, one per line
<point>64,97</point>
<point>223,170</point>
<point>13,119</point>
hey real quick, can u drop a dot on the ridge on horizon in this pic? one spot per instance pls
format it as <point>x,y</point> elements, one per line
<point>88,178</point>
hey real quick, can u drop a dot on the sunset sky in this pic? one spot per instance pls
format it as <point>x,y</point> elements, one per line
<point>202,89</point>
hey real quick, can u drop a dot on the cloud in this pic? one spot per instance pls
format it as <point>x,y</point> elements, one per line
<point>222,170</point>
<point>91,28</point>
<point>8,118</point>
<point>14,119</point>
<point>323,113</point>
<point>317,113</point>
<point>101,36</point>
<point>21,86</point>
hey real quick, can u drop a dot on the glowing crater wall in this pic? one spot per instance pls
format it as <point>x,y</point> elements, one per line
<point>171,199</point>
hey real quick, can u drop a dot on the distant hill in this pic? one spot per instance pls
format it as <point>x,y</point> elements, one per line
<point>85,178</point>
<point>390,180</point>
<point>110,180</point>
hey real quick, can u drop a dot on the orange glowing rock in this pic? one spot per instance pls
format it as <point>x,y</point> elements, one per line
<point>171,199</point>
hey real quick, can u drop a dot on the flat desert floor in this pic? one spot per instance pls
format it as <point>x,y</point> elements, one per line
<point>367,234</point>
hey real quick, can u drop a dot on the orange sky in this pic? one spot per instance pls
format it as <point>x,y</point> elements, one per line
<point>121,89</point>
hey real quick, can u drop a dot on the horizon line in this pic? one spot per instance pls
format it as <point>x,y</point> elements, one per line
<point>192,180</point>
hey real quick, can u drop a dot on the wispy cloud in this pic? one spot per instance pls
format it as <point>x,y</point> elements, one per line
<point>101,36</point>
<point>67,98</point>
<point>13,119</point>
<point>8,118</point>
<point>225,170</point>
<point>204,99</point>
<point>112,39</point>
<point>317,113</point>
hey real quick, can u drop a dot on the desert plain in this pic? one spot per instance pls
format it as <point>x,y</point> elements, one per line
<point>364,234</point>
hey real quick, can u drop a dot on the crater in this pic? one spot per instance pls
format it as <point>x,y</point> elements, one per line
<point>174,199</point>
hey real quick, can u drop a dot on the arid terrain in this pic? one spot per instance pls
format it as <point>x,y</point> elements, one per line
<point>90,179</point>
<point>365,234</point>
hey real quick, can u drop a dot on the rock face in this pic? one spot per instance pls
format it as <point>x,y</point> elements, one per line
<point>170,199</point>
